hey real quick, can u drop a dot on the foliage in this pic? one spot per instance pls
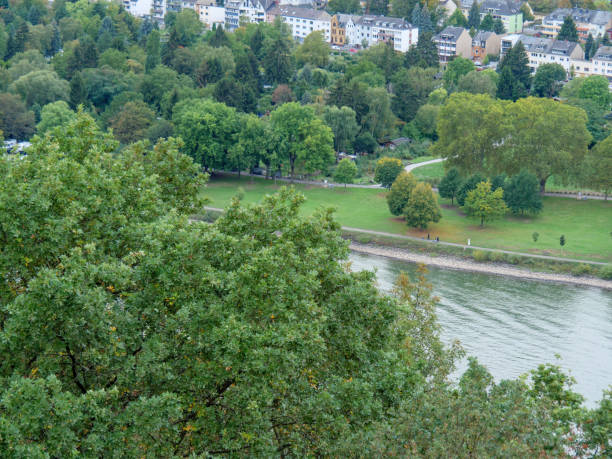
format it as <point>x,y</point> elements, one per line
<point>426,120</point>
<point>411,88</point>
<point>457,19</point>
<point>422,207</point>
<point>548,80</point>
<point>487,23</point>
<point>41,87</point>
<point>304,141</point>
<point>455,69</point>
<point>449,185</point>
<point>132,122</point>
<point>476,82</point>
<point>515,74</point>
<point>314,50</point>
<point>474,16</point>
<point>387,170</point>
<point>365,143</point>
<point>53,115</point>
<point>15,120</point>
<point>424,54</point>
<point>598,167</point>
<point>595,87</point>
<point>522,193</point>
<point>343,6</point>
<point>468,185</point>
<point>485,204</point>
<point>207,128</point>
<point>568,30</point>
<point>345,172</point>
<point>343,123</point>
<point>400,191</point>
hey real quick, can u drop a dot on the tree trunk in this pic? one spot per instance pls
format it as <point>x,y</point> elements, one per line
<point>482,221</point>
<point>543,185</point>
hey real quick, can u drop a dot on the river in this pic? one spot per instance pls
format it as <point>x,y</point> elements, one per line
<point>512,325</point>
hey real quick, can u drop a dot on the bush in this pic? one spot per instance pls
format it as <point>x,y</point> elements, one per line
<point>364,239</point>
<point>497,257</point>
<point>605,272</point>
<point>515,260</point>
<point>581,270</point>
<point>480,255</point>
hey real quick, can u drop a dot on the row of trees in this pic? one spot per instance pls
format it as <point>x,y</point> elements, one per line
<point>542,136</point>
<point>413,200</point>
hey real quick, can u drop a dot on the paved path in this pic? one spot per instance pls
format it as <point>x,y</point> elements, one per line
<point>453,244</point>
<point>409,167</point>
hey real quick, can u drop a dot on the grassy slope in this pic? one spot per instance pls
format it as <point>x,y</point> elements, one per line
<point>585,224</point>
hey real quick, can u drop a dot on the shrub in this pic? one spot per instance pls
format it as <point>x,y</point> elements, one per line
<point>480,255</point>
<point>515,260</point>
<point>582,269</point>
<point>498,257</point>
<point>605,272</point>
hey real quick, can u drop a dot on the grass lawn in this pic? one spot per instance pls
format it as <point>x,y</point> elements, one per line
<point>585,224</point>
<point>436,171</point>
<point>430,171</point>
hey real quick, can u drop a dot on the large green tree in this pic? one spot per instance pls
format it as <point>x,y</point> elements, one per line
<point>548,80</point>
<point>568,30</point>
<point>400,191</point>
<point>304,141</point>
<point>16,121</point>
<point>208,129</point>
<point>343,124</point>
<point>597,168</point>
<point>449,185</point>
<point>387,170</point>
<point>422,207</point>
<point>53,115</point>
<point>485,204</point>
<point>345,172</point>
<point>515,74</point>
<point>41,87</point>
<point>314,50</point>
<point>548,138</point>
<point>522,193</point>
<point>130,124</point>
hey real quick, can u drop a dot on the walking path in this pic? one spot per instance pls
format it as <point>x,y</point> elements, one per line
<point>453,244</point>
<point>409,167</point>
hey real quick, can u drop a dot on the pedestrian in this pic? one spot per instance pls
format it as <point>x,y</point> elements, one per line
<point>469,241</point>
<point>437,239</point>
<point>428,236</point>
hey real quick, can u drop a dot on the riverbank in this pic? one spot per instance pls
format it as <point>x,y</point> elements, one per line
<point>449,262</point>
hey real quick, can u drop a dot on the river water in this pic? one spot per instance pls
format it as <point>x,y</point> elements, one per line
<point>511,325</point>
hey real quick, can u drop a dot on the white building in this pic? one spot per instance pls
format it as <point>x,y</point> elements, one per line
<point>593,22</point>
<point>545,51</point>
<point>600,64</point>
<point>374,29</point>
<point>138,8</point>
<point>253,11</point>
<point>209,13</point>
<point>303,21</point>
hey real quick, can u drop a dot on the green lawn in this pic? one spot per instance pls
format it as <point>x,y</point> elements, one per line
<point>585,224</point>
<point>436,171</point>
<point>429,171</point>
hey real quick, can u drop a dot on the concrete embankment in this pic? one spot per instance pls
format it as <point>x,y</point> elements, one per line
<point>449,262</point>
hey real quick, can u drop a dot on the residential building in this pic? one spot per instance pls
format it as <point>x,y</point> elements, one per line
<point>370,30</point>
<point>509,11</point>
<point>451,42</point>
<point>138,8</point>
<point>449,7</point>
<point>302,21</point>
<point>485,43</point>
<point>209,13</point>
<point>238,12</point>
<point>546,51</point>
<point>338,28</point>
<point>587,22</point>
<point>600,64</point>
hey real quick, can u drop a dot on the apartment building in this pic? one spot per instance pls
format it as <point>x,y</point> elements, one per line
<point>483,44</point>
<point>587,22</point>
<point>600,64</point>
<point>245,11</point>
<point>370,30</point>
<point>338,28</point>
<point>509,11</point>
<point>451,42</point>
<point>546,51</point>
<point>302,21</point>
<point>209,13</point>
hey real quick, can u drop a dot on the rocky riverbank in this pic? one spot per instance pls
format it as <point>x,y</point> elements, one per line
<point>467,265</point>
